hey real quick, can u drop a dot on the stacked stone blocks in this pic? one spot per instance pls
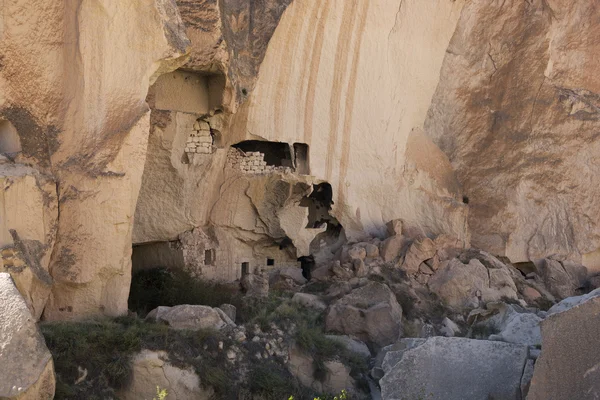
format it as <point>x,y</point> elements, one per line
<point>200,140</point>
<point>252,162</point>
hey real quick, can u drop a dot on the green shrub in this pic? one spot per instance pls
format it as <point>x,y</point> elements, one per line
<point>162,287</point>
<point>104,348</point>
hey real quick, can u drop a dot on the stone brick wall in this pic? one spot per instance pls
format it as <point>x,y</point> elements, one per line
<point>252,162</point>
<point>200,140</point>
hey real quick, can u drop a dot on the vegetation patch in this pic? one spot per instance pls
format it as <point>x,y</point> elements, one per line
<point>162,287</point>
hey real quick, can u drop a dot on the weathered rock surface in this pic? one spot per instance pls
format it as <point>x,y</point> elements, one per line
<point>295,100</point>
<point>568,365</point>
<point>462,286</point>
<point>517,114</point>
<point>455,368</point>
<point>562,278</point>
<point>515,325</point>
<point>152,369</point>
<point>309,300</point>
<point>571,302</point>
<point>28,218</point>
<point>192,317</point>
<point>337,377</point>
<point>26,365</point>
<point>76,103</point>
<point>353,345</point>
<point>369,313</point>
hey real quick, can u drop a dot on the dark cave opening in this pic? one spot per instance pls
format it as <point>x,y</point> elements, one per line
<point>277,154</point>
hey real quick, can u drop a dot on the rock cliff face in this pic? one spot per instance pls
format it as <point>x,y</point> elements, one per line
<point>74,78</point>
<point>516,111</point>
<point>243,135</point>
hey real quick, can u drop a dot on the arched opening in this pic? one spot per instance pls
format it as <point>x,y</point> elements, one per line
<point>10,143</point>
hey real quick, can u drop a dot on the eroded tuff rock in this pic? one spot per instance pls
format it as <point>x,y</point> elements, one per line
<point>568,365</point>
<point>193,317</point>
<point>516,111</point>
<point>74,78</point>
<point>26,364</point>
<point>455,368</point>
<point>370,313</point>
<point>152,368</point>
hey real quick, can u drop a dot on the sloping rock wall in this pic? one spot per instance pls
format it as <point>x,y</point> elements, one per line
<point>74,79</point>
<point>516,111</point>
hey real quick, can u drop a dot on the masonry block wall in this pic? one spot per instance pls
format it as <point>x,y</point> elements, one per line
<point>200,140</point>
<point>252,162</point>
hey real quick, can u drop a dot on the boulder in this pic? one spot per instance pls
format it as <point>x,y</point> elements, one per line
<point>360,268</point>
<point>372,250</point>
<point>394,353</point>
<point>257,285</point>
<point>322,273</point>
<point>463,286</point>
<point>357,252</point>
<point>420,250</point>
<point>26,367</point>
<point>516,327</point>
<point>337,375</point>
<point>294,274</point>
<point>394,227</point>
<point>457,369</point>
<point>369,313</point>
<point>151,369</point>
<point>352,345</point>
<point>568,367</point>
<point>193,317</point>
<point>230,310</point>
<point>570,302</point>
<point>447,246</point>
<point>561,278</point>
<point>309,300</point>
<point>342,272</point>
<point>391,247</point>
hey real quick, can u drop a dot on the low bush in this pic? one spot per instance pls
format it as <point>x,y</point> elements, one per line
<point>104,349</point>
<point>163,287</point>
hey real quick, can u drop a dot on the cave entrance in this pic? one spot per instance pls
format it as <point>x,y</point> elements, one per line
<point>245,268</point>
<point>209,257</point>
<point>189,91</point>
<point>277,154</point>
<point>301,158</point>
<point>10,143</point>
<point>319,204</point>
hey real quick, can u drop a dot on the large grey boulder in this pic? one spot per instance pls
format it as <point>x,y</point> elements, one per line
<point>571,302</point>
<point>569,366</point>
<point>562,278</point>
<point>465,285</point>
<point>309,301</point>
<point>192,317</point>
<point>355,346</point>
<point>26,367</point>
<point>369,313</point>
<point>457,369</point>
<point>513,324</point>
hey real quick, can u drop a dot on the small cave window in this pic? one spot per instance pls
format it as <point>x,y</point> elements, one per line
<point>301,159</point>
<point>465,200</point>
<point>277,154</point>
<point>217,138</point>
<point>10,143</point>
<point>245,268</point>
<point>209,257</point>
<point>319,204</point>
<point>270,262</point>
